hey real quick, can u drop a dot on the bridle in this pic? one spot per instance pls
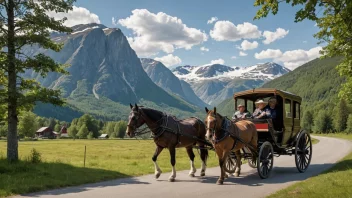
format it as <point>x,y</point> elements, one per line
<point>137,116</point>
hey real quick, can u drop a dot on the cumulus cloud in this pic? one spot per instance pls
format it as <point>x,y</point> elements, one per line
<point>169,60</point>
<point>212,20</point>
<point>227,31</point>
<point>78,15</point>
<point>269,53</point>
<point>204,49</point>
<point>217,61</point>
<point>242,54</point>
<point>246,45</point>
<point>273,36</point>
<point>114,21</point>
<point>291,59</point>
<point>160,32</point>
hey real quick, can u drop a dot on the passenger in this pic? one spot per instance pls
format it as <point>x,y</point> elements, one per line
<point>270,110</point>
<point>260,110</point>
<point>241,113</point>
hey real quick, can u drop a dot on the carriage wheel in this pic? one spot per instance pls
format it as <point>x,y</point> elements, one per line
<point>252,162</point>
<point>303,151</point>
<point>265,160</point>
<point>230,165</point>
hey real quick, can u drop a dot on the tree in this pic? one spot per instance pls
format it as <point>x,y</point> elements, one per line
<point>110,127</point>
<point>83,132</point>
<point>3,129</point>
<point>52,123</point>
<point>72,131</point>
<point>322,123</point>
<point>91,124</point>
<point>308,121</point>
<point>121,127</point>
<point>90,135</point>
<point>57,128</point>
<point>349,124</point>
<point>27,125</point>
<point>335,30</point>
<point>24,23</point>
<point>340,121</point>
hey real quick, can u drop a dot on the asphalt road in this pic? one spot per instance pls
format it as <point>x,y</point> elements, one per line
<point>325,154</point>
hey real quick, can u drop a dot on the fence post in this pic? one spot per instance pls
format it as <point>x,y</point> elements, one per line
<point>85,151</point>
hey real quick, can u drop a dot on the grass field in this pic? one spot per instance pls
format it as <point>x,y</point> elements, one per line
<point>63,163</point>
<point>335,182</point>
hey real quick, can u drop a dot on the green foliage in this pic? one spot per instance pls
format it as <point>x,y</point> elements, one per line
<point>323,123</point>
<point>335,30</point>
<point>72,131</point>
<point>3,129</point>
<point>340,121</point>
<point>349,124</point>
<point>27,125</point>
<point>90,135</point>
<point>57,128</point>
<point>308,121</point>
<point>83,132</point>
<point>120,129</point>
<point>91,124</point>
<point>35,157</point>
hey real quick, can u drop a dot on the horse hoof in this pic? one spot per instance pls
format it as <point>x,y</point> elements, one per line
<point>171,179</point>
<point>236,174</point>
<point>202,174</point>
<point>220,182</point>
<point>191,175</point>
<point>157,175</point>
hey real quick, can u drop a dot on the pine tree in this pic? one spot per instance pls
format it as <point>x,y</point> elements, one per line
<point>308,121</point>
<point>341,116</point>
<point>349,124</point>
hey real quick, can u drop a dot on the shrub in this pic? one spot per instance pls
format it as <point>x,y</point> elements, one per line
<point>90,135</point>
<point>34,157</point>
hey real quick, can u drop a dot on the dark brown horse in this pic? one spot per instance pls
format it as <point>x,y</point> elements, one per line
<point>227,136</point>
<point>170,133</point>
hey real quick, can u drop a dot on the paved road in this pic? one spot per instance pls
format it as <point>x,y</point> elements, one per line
<point>325,154</point>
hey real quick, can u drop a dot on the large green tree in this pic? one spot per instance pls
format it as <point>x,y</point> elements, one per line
<point>24,23</point>
<point>27,125</point>
<point>333,17</point>
<point>307,121</point>
<point>340,119</point>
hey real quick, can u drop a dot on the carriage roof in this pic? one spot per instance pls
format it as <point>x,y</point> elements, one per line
<point>253,94</point>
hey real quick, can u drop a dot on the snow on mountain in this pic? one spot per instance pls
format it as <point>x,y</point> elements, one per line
<point>266,71</point>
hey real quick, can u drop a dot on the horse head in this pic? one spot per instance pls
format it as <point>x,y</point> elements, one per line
<point>212,122</point>
<point>135,120</point>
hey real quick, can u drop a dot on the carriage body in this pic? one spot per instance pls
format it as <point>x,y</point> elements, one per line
<point>283,131</point>
<point>282,136</point>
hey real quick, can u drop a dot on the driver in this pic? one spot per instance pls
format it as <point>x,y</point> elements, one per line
<point>241,113</point>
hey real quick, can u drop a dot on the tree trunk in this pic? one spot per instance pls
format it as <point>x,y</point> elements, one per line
<point>12,141</point>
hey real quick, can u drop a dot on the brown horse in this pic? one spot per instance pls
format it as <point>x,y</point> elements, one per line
<point>170,133</point>
<point>227,136</point>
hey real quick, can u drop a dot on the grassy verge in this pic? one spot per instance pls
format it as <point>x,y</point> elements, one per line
<point>335,182</point>
<point>63,163</point>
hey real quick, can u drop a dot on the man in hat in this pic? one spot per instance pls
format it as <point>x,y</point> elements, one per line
<point>271,108</point>
<point>260,110</point>
<point>241,113</point>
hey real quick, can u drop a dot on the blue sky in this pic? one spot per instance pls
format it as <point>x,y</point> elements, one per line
<point>295,48</point>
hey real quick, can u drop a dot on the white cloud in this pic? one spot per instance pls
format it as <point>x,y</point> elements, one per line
<point>242,54</point>
<point>291,59</point>
<point>233,57</point>
<point>246,45</point>
<point>114,21</point>
<point>273,36</point>
<point>227,31</point>
<point>217,61</point>
<point>160,32</point>
<point>269,53</point>
<point>212,20</point>
<point>169,60</point>
<point>204,49</point>
<point>78,15</point>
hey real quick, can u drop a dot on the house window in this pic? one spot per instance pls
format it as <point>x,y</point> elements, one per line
<point>288,108</point>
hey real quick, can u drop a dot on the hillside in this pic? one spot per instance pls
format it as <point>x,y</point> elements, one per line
<point>105,75</point>
<point>317,82</point>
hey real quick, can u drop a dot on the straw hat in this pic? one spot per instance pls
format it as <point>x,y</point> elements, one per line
<point>260,102</point>
<point>240,105</point>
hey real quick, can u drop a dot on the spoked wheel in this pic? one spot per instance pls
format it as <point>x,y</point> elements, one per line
<point>265,160</point>
<point>303,151</point>
<point>252,162</point>
<point>230,165</point>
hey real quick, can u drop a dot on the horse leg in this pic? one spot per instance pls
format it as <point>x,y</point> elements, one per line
<point>238,163</point>
<point>191,157</point>
<point>172,150</point>
<point>154,158</point>
<point>204,157</point>
<point>221,164</point>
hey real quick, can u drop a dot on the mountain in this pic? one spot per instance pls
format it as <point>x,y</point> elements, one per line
<point>214,83</point>
<point>165,79</point>
<point>105,74</point>
<point>317,82</point>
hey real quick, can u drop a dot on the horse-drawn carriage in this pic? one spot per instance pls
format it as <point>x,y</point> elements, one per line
<point>281,136</point>
<point>259,139</point>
